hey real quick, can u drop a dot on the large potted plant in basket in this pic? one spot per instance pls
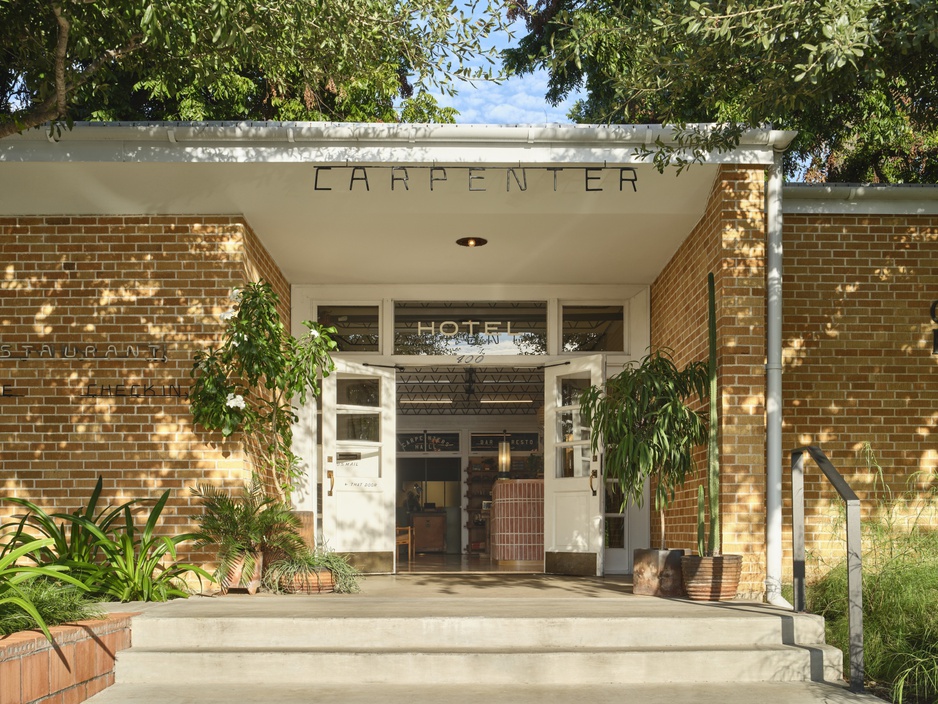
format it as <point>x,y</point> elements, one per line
<point>710,575</point>
<point>643,419</point>
<point>243,527</point>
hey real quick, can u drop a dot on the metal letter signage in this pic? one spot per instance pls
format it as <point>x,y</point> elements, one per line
<point>149,352</point>
<point>472,178</point>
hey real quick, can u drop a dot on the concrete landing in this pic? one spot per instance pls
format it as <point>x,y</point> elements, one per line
<point>271,693</point>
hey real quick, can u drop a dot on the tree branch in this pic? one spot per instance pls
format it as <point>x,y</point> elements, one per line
<point>56,106</point>
<point>61,53</point>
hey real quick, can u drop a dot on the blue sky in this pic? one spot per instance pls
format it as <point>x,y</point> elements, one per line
<point>519,100</point>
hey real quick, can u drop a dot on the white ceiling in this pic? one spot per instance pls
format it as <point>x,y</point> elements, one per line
<point>380,236</point>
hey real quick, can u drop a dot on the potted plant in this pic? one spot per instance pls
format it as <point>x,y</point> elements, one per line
<point>312,572</point>
<point>245,527</point>
<point>642,418</point>
<point>709,575</point>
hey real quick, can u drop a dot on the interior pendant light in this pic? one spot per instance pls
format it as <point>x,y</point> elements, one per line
<point>504,454</point>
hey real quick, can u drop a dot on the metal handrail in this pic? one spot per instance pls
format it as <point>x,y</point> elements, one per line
<point>854,562</point>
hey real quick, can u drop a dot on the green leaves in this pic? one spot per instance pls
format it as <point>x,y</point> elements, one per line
<point>643,419</point>
<point>13,577</point>
<point>245,525</point>
<point>809,66</point>
<point>305,59</point>
<point>250,381</point>
<point>102,551</point>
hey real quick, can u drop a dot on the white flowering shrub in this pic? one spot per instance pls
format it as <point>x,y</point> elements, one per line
<point>250,381</point>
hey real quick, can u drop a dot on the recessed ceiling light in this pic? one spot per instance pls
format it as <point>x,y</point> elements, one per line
<point>471,242</point>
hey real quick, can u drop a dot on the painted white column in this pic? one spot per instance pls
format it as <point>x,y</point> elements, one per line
<point>773,385</point>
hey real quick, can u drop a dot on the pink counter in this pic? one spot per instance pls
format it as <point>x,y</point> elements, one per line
<point>517,520</point>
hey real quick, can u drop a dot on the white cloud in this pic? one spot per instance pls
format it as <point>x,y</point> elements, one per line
<point>519,100</point>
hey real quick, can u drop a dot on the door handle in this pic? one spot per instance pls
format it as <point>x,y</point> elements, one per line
<point>331,476</point>
<point>593,475</point>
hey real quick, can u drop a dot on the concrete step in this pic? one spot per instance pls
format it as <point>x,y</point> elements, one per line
<point>421,632</point>
<point>472,632</point>
<point>431,693</point>
<point>516,666</point>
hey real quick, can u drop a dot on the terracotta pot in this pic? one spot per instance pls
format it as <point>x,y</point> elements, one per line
<point>657,572</point>
<point>235,577</point>
<point>315,583</point>
<point>711,578</point>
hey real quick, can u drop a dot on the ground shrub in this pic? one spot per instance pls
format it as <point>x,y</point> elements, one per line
<point>56,603</point>
<point>900,596</point>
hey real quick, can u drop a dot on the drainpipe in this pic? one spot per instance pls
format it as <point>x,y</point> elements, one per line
<point>773,385</point>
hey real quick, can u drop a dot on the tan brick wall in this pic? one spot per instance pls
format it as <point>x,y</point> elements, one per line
<point>80,284</point>
<point>857,358</point>
<point>729,240</point>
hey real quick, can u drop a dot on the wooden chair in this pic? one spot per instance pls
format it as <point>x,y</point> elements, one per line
<point>405,537</point>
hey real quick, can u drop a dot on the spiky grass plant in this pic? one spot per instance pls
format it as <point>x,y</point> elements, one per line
<point>310,565</point>
<point>55,603</point>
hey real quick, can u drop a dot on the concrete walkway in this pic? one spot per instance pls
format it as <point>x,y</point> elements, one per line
<point>410,602</point>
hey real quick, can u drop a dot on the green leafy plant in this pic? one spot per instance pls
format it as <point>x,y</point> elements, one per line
<point>309,564</point>
<point>71,543</point>
<point>244,526</point>
<point>711,545</point>
<point>109,556</point>
<point>13,578</point>
<point>249,383</point>
<point>643,418</point>
<point>55,601</point>
<point>134,562</point>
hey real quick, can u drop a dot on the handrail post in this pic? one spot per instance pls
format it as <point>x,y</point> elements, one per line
<point>855,595</point>
<point>854,553</point>
<point>797,529</point>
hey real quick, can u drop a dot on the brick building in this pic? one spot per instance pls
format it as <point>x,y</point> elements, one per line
<point>120,245</point>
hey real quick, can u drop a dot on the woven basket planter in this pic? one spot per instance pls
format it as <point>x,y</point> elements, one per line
<point>309,583</point>
<point>711,578</point>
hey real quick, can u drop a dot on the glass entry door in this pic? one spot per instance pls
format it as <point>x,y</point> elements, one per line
<point>358,434</point>
<point>573,486</point>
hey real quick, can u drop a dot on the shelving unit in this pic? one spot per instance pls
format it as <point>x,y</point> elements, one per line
<point>480,476</point>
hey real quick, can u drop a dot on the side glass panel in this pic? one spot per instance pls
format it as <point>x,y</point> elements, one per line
<point>570,390</point>
<point>358,426</point>
<point>573,461</point>
<point>572,435</point>
<point>351,391</point>
<point>470,328</point>
<point>593,329</point>
<point>614,516</point>
<point>356,326</point>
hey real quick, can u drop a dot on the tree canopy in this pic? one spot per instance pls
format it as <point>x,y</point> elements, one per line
<point>857,78</point>
<point>362,60</point>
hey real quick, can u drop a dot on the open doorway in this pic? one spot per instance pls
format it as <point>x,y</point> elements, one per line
<point>451,422</point>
